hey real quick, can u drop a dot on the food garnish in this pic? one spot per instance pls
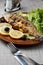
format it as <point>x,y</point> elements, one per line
<point>2,31</point>
<point>15,34</point>
<point>5,25</point>
<point>7,29</point>
<point>4,28</point>
<point>27,37</point>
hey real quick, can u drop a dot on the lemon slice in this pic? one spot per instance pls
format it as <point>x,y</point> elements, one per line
<point>5,24</point>
<point>2,31</point>
<point>5,28</point>
<point>15,34</point>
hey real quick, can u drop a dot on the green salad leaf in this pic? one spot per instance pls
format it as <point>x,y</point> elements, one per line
<point>36,17</point>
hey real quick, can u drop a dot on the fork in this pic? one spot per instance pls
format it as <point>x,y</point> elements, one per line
<point>22,58</point>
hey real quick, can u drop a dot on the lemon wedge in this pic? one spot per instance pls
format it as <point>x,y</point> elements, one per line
<point>15,34</point>
<point>5,28</point>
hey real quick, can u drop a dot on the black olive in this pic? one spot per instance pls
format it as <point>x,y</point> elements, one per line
<point>3,20</point>
<point>7,29</point>
<point>24,37</point>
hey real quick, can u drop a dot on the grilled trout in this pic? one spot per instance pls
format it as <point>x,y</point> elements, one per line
<point>20,23</point>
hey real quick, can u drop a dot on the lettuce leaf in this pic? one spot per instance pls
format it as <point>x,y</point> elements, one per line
<point>36,17</point>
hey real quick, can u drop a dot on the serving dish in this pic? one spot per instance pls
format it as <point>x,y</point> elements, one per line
<point>19,41</point>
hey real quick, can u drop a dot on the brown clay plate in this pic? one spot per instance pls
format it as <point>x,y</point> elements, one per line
<point>19,42</point>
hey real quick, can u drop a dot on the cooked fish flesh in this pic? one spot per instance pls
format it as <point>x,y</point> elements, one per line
<point>20,23</point>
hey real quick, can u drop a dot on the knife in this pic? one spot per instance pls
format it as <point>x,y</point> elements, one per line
<point>22,59</point>
<point>17,54</point>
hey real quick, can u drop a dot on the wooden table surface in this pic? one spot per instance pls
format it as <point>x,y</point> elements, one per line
<point>34,52</point>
